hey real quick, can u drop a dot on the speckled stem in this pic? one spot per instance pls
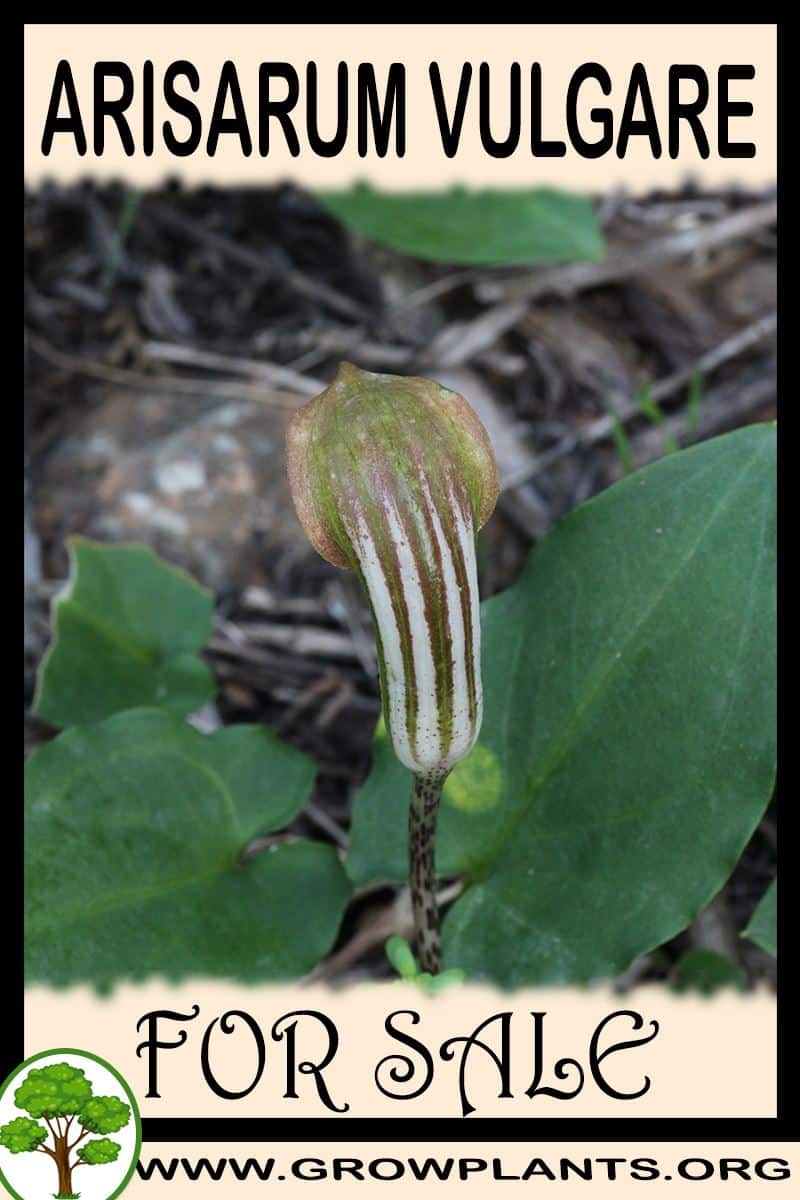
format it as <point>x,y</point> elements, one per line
<point>421,838</point>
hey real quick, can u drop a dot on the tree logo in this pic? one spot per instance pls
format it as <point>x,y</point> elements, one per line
<point>56,1111</point>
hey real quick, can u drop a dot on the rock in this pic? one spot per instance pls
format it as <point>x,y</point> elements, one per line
<point>203,483</point>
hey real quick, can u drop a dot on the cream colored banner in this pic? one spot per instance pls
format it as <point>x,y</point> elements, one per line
<point>708,1058</point>
<point>347,1168</point>
<point>557,49</point>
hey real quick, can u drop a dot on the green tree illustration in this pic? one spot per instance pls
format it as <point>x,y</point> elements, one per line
<point>61,1096</point>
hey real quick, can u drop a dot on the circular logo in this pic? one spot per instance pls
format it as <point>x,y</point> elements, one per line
<point>69,1127</point>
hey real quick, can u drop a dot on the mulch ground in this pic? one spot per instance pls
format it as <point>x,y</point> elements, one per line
<point>168,336</point>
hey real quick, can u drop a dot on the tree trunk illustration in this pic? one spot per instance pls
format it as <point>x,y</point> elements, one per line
<point>64,1168</point>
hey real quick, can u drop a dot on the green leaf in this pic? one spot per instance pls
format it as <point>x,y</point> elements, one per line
<point>105,1114</point>
<point>652,411</point>
<point>706,971</point>
<point>56,1088</point>
<point>134,830</point>
<point>621,441</point>
<point>104,1150</point>
<point>628,744</point>
<point>125,634</point>
<point>434,984</point>
<point>460,226</point>
<point>401,957</point>
<point>694,399</point>
<point>21,1135</point>
<point>763,927</point>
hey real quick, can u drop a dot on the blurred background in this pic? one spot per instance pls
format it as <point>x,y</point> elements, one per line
<point>169,334</point>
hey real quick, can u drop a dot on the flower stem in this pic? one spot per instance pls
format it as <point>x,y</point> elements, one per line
<point>421,834</point>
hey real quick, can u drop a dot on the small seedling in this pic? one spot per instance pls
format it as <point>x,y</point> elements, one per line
<point>693,402</point>
<point>130,207</point>
<point>401,956</point>
<point>651,410</point>
<point>621,440</point>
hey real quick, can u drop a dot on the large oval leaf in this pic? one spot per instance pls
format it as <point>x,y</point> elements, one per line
<point>134,829</point>
<point>480,227</point>
<point>628,745</point>
<point>125,634</point>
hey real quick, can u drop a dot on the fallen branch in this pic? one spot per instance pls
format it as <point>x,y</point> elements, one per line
<point>627,407</point>
<point>224,390</point>
<point>271,373</point>
<point>621,264</point>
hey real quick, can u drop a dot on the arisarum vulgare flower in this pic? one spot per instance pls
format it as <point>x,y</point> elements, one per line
<point>392,477</point>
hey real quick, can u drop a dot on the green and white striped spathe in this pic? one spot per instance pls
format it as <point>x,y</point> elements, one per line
<point>392,477</point>
<point>419,571</point>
